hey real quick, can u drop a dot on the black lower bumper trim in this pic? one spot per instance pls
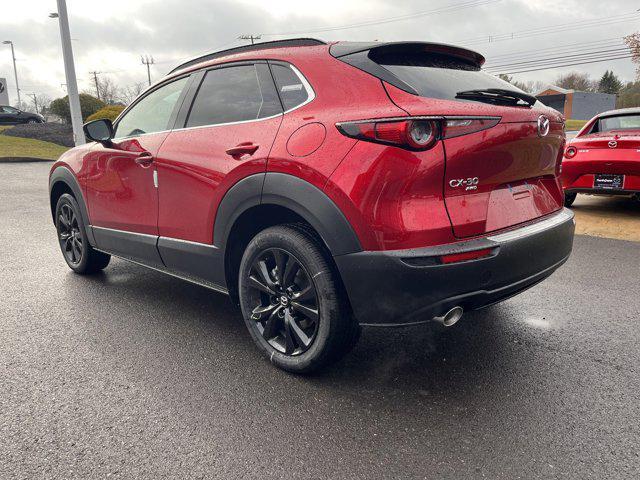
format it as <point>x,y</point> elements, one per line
<point>386,290</point>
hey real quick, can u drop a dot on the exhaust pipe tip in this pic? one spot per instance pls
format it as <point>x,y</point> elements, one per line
<point>450,318</point>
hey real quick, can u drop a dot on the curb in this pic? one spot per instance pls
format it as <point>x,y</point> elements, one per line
<point>24,160</point>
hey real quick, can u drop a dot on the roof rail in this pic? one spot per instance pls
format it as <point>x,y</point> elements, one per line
<point>290,42</point>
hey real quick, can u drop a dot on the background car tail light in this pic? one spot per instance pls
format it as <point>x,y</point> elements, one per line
<point>416,133</point>
<point>570,152</point>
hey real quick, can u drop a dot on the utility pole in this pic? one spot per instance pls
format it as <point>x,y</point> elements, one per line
<point>95,79</point>
<point>15,70</point>
<point>35,100</point>
<point>70,72</point>
<point>250,37</point>
<point>148,61</point>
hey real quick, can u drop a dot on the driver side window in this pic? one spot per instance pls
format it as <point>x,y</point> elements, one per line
<point>152,113</point>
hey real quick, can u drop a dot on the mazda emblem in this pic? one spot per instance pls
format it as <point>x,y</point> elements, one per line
<point>543,126</point>
<point>613,144</point>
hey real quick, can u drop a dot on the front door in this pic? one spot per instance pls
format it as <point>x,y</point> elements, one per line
<point>121,180</point>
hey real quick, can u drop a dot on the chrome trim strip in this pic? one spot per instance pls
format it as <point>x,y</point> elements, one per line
<point>123,231</point>
<point>561,217</point>
<point>189,242</point>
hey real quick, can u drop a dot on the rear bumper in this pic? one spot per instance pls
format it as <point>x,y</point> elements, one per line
<point>393,288</point>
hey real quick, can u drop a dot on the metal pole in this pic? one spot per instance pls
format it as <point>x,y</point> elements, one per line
<point>15,73</point>
<point>70,73</point>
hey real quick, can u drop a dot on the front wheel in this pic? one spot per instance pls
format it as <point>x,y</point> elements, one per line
<point>569,198</point>
<point>72,237</point>
<point>291,300</point>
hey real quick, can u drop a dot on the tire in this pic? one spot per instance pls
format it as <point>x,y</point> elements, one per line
<point>292,302</point>
<point>72,237</point>
<point>569,198</point>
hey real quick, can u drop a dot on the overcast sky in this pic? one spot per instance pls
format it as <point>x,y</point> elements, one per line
<point>110,35</point>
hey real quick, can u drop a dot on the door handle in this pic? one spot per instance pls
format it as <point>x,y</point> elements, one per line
<point>245,148</point>
<point>144,159</point>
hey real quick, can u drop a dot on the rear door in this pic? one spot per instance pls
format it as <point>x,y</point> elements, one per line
<point>225,135</point>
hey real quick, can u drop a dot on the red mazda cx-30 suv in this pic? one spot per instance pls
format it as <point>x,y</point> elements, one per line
<point>324,187</point>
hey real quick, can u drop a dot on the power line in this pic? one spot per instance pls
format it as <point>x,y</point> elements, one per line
<point>448,9</point>
<point>607,59</point>
<point>577,56</point>
<point>534,32</point>
<point>571,47</point>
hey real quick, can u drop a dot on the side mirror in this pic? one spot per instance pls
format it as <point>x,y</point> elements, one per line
<point>99,131</point>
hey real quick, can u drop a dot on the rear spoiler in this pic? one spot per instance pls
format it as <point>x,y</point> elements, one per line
<point>361,55</point>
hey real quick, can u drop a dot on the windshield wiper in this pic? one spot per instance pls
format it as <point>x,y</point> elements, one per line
<point>498,96</point>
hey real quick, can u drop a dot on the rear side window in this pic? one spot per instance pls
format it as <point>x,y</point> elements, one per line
<point>290,86</point>
<point>234,94</point>
<point>439,76</point>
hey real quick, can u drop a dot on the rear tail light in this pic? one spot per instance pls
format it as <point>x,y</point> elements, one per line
<point>570,152</point>
<point>414,133</point>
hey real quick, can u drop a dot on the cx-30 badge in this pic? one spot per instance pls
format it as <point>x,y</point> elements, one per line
<point>468,183</point>
<point>543,126</point>
<point>613,144</point>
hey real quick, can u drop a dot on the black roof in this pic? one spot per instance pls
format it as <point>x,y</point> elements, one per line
<point>291,42</point>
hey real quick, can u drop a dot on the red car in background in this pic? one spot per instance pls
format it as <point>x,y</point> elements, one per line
<point>325,187</point>
<point>604,158</point>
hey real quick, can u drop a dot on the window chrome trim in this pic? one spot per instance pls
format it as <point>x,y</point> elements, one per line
<point>307,86</point>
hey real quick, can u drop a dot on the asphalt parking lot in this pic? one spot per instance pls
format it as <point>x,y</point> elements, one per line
<point>133,374</point>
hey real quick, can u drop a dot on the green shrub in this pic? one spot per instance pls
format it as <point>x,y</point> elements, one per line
<point>88,106</point>
<point>110,111</point>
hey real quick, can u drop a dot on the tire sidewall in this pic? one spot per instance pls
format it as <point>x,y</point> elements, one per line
<point>67,199</point>
<point>321,278</point>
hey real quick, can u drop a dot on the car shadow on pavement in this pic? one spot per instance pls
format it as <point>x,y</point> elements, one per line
<point>154,309</point>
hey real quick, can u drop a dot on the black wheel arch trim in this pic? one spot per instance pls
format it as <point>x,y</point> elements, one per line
<point>295,194</point>
<point>62,174</point>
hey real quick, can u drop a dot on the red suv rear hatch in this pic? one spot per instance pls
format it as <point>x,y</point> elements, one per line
<point>494,178</point>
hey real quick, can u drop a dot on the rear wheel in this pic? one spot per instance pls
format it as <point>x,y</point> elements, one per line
<point>291,301</point>
<point>72,237</point>
<point>569,198</point>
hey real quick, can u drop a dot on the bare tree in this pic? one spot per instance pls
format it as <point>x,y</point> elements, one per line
<point>576,81</point>
<point>633,41</point>
<point>108,90</point>
<point>128,94</point>
<point>38,102</point>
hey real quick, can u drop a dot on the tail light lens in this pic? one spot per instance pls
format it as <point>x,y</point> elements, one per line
<point>409,134</point>
<point>416,133</point>
<point>570,152</point>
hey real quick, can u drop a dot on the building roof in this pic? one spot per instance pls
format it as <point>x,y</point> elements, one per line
<point>561,90</point>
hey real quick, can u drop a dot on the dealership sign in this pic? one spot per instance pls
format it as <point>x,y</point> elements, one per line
<point>4,92</point>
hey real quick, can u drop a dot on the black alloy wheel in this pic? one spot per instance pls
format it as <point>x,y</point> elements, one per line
<point>292,299</point>
<point>285,301</point>
<point>69,236</point>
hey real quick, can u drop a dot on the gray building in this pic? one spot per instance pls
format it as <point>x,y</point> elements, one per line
<point>577,105</point>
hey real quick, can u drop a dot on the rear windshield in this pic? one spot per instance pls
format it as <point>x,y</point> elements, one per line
<point>621,122</point>
<point>439,76</point>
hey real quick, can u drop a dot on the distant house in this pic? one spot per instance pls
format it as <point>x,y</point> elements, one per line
<point>576,105</point>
